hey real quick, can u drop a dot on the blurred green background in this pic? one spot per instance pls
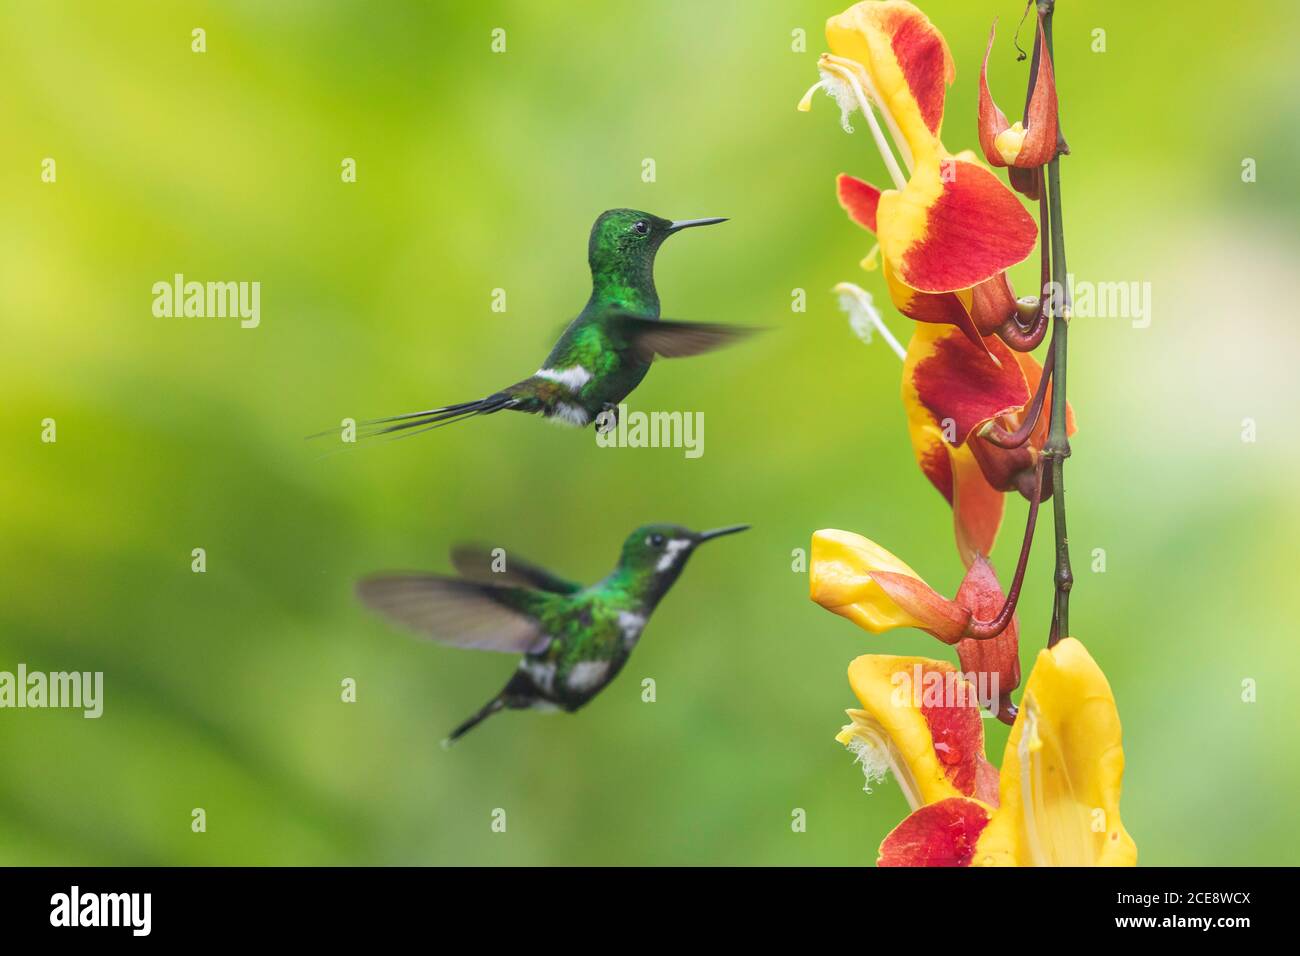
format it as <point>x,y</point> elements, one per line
<point>479,171</point>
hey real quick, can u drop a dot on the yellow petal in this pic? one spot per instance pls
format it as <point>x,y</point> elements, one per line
<point>840,580</point>
<point>1009,142</point>
<point>1061,774</point>
<point>907,61</point>
<point>891,732</point>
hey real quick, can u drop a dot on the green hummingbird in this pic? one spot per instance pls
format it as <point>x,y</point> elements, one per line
<point>574,639</point>
<point>606,351</point>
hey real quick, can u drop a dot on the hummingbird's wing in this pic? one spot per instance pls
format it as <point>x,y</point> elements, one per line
<point>479,562</point>
<point>651,337</point>
<point>459,613</point>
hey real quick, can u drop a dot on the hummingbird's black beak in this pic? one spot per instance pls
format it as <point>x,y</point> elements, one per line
<point>703,536</point>
<point>677,225</point>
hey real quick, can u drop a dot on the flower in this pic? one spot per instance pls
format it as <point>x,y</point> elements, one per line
<point>1057,799</point>
<point>1028,145</point>
<point>949,227</point>
<point>952,398</point>
<point>916,723</point>
<point>856,578</point>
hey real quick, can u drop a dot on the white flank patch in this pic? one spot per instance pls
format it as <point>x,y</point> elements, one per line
<point>587,674</point>
<point>541,672</point>
<point>674,547</point>
<point>631,625</point>
<point>571,378</point>
<point>567,414</point>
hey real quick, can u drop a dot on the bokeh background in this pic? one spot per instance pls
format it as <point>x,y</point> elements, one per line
<point>479,171</point>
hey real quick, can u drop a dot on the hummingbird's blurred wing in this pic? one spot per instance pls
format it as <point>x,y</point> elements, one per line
<point>496,566</point>
<point>459,613</point>
<point>671,339</point>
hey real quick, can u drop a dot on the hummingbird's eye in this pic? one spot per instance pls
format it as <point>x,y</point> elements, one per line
<point>641,227</point>
<point>655,541</point>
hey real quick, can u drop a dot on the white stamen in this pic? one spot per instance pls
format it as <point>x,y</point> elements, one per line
<point>839,91</point>
<point>864,78</point>
<point>874,763</point>
<point>875,751</point>
<point>835,75</point>
<point>864,317</point>
<point>805,101</point>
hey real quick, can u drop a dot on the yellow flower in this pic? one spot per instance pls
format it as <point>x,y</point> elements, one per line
<point>841,581</point>
<point>1061,773</point>
<point>1057,801</point>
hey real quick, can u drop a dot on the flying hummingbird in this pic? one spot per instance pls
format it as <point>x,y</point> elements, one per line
<point>574,639</point>
<point>606,351</point>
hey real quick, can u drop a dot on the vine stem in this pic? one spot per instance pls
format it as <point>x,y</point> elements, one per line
<point>987,630</point>
<point>1057,448</point>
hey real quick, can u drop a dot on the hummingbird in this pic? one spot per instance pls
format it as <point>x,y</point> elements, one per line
<point>606,351</point>
<point>574,639</point>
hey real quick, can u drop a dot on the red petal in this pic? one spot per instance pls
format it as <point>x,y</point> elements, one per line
<point>992,303</point>
<point>926,63</point>
<point>941,308</point>
<point>1024,181</point>
<point>958,735</point>
<point>976,508</point>
<point>936,465</point>
<point>1000,656</point>
<point>939,834</point>
<point>1042,123</point>
<point>858,198</point>
<point>1007,469</point>
<point>957,383</point>
<point>974,228</point>
<point>944,619</point>
<point>991,119</point>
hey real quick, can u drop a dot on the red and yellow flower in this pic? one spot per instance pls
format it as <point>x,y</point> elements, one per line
<point>975,400</point>
<point>856,578</point>
<point>951,395</point>
<point>1033,143</point>
<point>949,227</point>
<point>1056,800</point>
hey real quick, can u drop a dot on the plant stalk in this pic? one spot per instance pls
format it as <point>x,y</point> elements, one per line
<point>1057,448</point>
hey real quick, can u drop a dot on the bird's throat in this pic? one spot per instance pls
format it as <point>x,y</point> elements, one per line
<point>630,286</point>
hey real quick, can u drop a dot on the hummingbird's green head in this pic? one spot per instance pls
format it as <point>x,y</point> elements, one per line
<point>659,551</point>
<point>622,250</point>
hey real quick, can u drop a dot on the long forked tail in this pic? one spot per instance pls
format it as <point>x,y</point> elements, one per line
<point>412,423</point>
<point>487,710</point>
<point>416,422</point>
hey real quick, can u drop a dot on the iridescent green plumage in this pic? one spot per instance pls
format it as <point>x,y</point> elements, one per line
<point>574,639</point>
<point>606,351</point>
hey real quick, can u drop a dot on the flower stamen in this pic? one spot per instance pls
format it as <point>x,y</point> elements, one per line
<point>875,751</point>
<point>835,75</point>
<point>864,317</point>
<point>900,141</point>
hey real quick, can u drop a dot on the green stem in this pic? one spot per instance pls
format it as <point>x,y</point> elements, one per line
<point>1057,448</point>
